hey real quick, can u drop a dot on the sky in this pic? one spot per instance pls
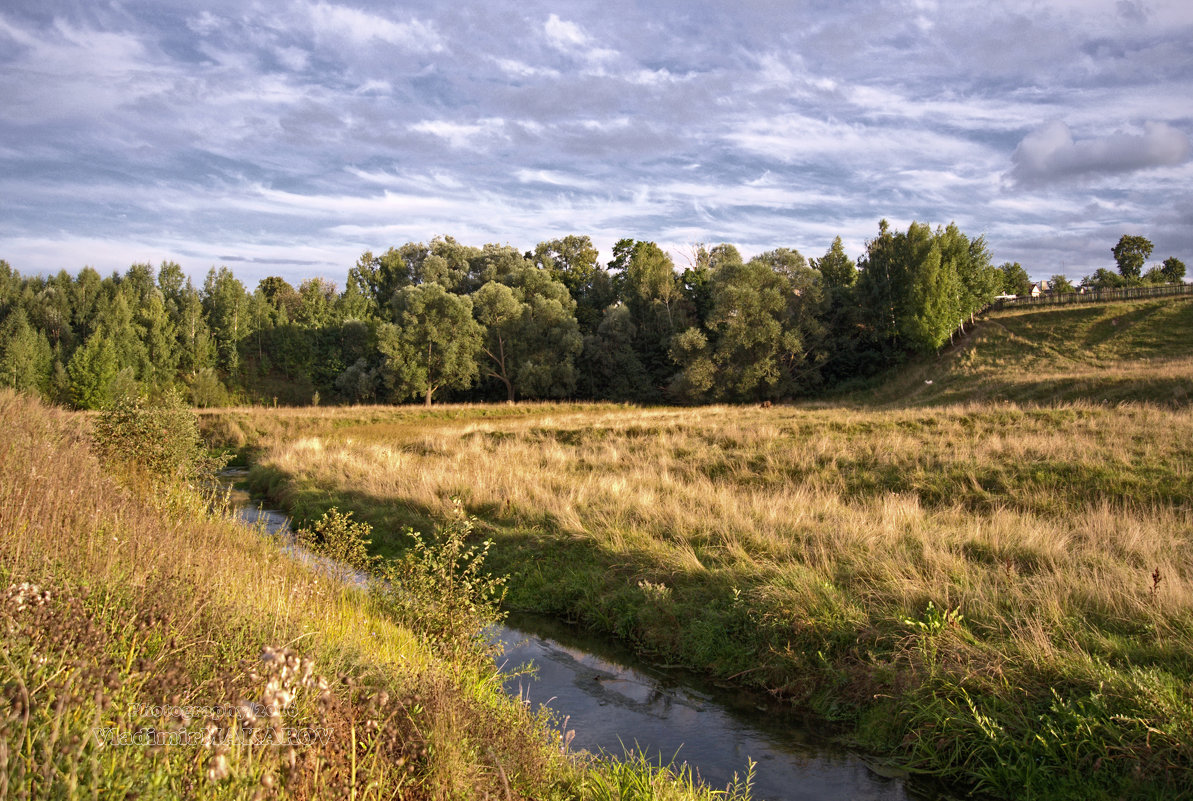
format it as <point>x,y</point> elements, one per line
<point>286,138</point>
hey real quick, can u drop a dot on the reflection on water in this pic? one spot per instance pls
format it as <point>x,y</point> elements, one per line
<point>612,706</point>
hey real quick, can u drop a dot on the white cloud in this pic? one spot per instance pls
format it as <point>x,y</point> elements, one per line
<point>363,28</point>
<point>463,135</point>
<point>555,178</point>
<point>1050,152</point>
<point>568,38</point>
<point>563,35</point>
<point>293,58</point>
<point>205,24</point>
<point>520,69</point>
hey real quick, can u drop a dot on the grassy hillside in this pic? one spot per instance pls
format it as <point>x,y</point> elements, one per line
<point>1139,352</point>
<point>155,649</point>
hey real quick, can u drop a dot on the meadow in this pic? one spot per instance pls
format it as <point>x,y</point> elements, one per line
<point>980,585</point>
<point>154,648</point>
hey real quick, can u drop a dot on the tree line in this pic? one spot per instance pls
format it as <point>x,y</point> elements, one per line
<point>1130,256</point>
<point>444,320</point>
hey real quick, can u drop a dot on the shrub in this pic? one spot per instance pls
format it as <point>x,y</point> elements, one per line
<point>339,538</point>
<point>161,440</point>
<point>441,589</point>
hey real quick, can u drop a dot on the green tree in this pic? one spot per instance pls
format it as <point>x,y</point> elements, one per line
<point>754,340</point>
<point>378,278</point>
<point>25,355</point>
<point>171,280</point>
<point>935,308</point>
<point>10,287</point>
<point>1103,279</point>
<point>115,321</point>
<point>978,281</point>
<point>1015,280</point>
<point>52,313</point>
<point>160,339</point>
<point>655,299</point>
<point>698,369</point>
<point>911,293</point>
<point>432,344</point>
<point>92,372</point>
<point>494,263</point>
<point>85,296</point>
<point>573,260</point>
<point>548,337</point>
<point>226,307</point>
<point>282,298</point>
<point>610,366</point>
<point>696,281</point>
<point>836,267</point>
<point>499,310</point>
<point>196,349</point>
<point>1130,254</point>
<point>316,306</point>
<point>1152,277</point>
<point>447,263</point>
<point>1173,270</point>
<point>1061,285</point>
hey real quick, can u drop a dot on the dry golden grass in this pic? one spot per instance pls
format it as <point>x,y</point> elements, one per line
<point>1007,552</point>
<point>1136,352</point>
<point>126,594</point>
<point>147,601</point>
<point>762,490</point>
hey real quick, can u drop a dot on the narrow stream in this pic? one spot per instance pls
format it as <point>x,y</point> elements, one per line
<point>615,702</point>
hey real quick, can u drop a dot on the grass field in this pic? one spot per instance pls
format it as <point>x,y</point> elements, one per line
<point>989,589</point>
<point>146,636</point>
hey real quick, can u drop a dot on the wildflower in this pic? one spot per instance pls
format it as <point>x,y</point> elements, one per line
<point>217,768</point>
<point>209,732</point>
<point>248,715</point>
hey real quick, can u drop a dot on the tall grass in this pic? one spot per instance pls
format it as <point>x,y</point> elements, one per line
<point>154,648</point>
<point>1000,594</point>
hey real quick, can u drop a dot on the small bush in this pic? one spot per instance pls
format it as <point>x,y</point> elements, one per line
<point>207,391</point>
<point>337,537</point>
<point>440,587</point>
<point>160,440</point>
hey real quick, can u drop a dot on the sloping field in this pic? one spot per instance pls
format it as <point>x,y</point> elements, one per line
<point>1106,353</point>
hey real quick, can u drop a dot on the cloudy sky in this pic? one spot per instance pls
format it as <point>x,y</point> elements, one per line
<point>285,138</point>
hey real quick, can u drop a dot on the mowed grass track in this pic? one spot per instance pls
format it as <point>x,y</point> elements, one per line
<point>995,593</point>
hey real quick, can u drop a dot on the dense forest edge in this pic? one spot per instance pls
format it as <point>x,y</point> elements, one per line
<point>452,322</point>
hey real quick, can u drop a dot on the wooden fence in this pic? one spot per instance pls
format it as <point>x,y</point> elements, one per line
<point>1096,296</point>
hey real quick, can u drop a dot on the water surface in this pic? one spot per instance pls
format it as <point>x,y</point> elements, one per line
<point>613,702</point>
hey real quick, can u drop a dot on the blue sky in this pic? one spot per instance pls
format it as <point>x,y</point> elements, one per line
<point>286,138</point>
